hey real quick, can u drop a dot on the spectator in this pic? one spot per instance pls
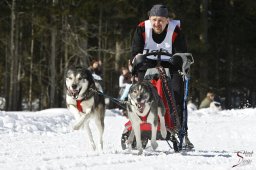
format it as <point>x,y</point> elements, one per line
<point>124,83</point>
<point>207,100</point>
<point>96,67</point>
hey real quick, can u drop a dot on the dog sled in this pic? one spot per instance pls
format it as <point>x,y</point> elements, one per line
<point>160,78</point>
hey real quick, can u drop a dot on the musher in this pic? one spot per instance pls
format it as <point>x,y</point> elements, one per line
<point>160,32</point>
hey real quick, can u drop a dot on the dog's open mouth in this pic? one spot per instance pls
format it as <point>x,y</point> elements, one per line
<point>140,107</point>
<point>74,92</point>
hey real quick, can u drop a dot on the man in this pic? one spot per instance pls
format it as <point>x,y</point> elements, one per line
<point>207,100</point>
<point>160,33</point>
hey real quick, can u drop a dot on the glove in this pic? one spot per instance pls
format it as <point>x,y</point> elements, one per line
<point>176,61</point>
<point>136,57</point>
<point>137,62</point>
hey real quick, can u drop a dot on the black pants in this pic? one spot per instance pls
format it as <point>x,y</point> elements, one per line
<point>177,85</point>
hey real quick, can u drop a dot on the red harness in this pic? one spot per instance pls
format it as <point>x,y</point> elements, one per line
<point>144,118</point>
<point>78,105</point>
<point>144,126</point>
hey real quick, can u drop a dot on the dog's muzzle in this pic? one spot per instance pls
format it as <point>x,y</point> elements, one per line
<point>74,92</point>
<point>140,106</point>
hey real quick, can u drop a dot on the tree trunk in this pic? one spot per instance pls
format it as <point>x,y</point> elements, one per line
<point>18,88</point>
<point>204,13</point>
<point>52,65</point>
<point>118,54</point>
<point>53,59</point>
<point>83,45</point>
<point>12,57</point>
<point>66,60</point>
<point>31,61</point>
<point>100,34</point>
<point>204,43</point>
<point>7,78</point>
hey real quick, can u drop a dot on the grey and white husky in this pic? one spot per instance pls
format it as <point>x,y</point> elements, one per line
<point>144,104</point>
<point>84,102</point>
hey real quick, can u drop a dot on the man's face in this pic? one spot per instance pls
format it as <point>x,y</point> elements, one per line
<point>158,23</point>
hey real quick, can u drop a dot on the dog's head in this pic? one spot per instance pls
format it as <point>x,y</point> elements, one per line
<point>140,94</point>
<point>78,80</point>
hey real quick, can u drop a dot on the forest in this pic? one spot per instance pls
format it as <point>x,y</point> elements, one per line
<point>39,39</point>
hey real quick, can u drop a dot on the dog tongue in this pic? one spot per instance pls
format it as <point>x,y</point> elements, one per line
<point>74,93</point>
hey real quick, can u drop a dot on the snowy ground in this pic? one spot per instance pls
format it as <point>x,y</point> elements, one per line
<point>44,140</point>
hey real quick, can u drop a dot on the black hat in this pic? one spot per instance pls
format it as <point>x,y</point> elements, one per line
<point>159,10</point>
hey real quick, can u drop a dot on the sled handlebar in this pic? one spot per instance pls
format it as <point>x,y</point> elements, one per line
<point>184,60</point>
<point>158,56</point>
<point>157,53</point>
<point>168,56</point>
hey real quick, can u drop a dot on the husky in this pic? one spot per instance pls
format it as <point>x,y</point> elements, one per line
<point>144,104</point>
<point>84,102</point>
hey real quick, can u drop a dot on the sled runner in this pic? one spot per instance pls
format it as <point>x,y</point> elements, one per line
<point>160,78</point>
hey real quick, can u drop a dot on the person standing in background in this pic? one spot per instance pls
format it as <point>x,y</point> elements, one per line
<point>124,83</point>
<point>96,70</point>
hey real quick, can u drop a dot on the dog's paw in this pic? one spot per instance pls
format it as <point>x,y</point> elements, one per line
<point>129,147</point>
<point>154,145</point>
<point>140,151</point>
<point>75,127</point>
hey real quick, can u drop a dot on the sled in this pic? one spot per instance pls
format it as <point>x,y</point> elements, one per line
<point>172,135</point>
<point>146,135</point>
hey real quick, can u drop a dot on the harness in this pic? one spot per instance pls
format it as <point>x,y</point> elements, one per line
<point>78,105</point>
<point>144,118</point>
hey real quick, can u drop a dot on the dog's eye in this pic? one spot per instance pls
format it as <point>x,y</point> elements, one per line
<point>80,78</point>
<point>70,78</point>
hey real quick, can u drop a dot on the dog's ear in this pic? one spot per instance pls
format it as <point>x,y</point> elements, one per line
<point>68,69</point>
<point>132,88</point>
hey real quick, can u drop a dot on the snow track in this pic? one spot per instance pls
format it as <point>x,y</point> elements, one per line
<point>44,140</point>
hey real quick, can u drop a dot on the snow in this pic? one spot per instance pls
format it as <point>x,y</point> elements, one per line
<point>44,140</point>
